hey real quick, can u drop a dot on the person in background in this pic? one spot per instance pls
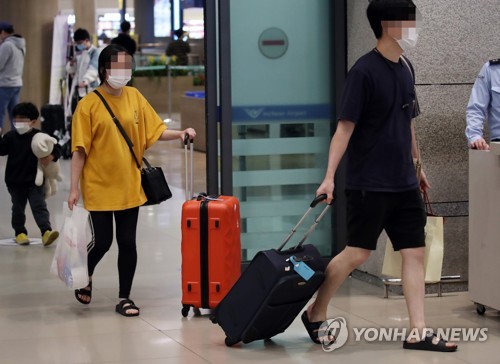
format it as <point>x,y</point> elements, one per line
<point>12,52</point>
<point>104,39</point>
<point>83,68</point>
<point>124,39</point>
<point>179,48</point>
<point>103,166</point>
<point>375,127</point>
<point>484,103</point>
<point>20,174</point>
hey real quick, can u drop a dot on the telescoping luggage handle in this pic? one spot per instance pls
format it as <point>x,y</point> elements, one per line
<point>189,177</point>
<point>316,201</point>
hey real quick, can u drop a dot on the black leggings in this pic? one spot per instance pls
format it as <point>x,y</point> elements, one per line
<point>126,227</point>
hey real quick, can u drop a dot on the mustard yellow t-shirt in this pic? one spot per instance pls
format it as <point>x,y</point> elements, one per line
<point>110,179</point>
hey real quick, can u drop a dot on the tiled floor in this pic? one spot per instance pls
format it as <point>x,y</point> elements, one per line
<point>41,322</point>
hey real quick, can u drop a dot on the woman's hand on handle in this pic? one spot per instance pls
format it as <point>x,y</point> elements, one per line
<point>175,134</point>
<point>188,132</point>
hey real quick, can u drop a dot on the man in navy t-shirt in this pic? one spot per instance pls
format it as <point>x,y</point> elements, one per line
<point>375,129</point>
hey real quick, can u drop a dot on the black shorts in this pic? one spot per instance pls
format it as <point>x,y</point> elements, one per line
<point>401,214</point>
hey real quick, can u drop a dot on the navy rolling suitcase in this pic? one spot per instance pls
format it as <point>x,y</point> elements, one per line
<point>270,293</point>
<point>52,118</point>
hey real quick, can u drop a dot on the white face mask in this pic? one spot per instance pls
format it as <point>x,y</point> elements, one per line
<point>119,78</point>
<point>408,39</point>
<point>22,128</point>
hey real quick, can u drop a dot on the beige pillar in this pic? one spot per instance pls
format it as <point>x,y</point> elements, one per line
<point>85,15</point>
<point>33,19</point>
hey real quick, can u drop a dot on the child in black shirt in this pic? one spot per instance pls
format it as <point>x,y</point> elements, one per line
<point>20,174</point>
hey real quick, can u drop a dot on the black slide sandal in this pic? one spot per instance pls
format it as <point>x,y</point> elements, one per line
<point>84,292</point>
<point>126,305</point>
<point>428,345</point>
<point>311,327</point>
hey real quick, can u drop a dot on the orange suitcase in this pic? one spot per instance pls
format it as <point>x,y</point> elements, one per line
<point>211,248</point>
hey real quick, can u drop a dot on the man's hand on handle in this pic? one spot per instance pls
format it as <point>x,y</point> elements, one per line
<point>327,188</point>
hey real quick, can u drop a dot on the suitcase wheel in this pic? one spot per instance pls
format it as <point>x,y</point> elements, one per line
<point>185,311</point>
<point>230,342</point>
<point>213,319</point>
<point>480,309</point>
<point>197,312</point>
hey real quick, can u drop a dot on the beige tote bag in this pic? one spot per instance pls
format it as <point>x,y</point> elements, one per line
<point>434,250</point>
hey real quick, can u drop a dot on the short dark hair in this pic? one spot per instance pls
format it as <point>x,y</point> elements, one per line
<point>106,57</point>
<point>6,27</point>
<point>380,10</point>
<point>81,34</point>
<point>179,32</point>
<point>26,110</point>
<point>125,26</point>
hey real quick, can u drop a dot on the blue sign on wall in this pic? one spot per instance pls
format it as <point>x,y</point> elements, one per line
<point>270,113</point>
<point>192,4</point>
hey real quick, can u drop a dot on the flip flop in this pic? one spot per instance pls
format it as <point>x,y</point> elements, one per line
<point>428,345</point>
<point>126,305</point>
<point>84,292</point>
<point>311,327</point>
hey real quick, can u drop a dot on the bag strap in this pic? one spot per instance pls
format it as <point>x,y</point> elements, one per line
<point>122,131</point>
<point>416,106</point>
<point>427,202</point>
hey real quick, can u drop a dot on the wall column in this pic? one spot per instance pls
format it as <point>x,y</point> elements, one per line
<point>85,15</point>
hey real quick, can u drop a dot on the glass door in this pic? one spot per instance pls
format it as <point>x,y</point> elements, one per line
<point>275,109</point>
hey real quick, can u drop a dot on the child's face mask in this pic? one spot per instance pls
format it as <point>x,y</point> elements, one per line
<point>22,125</point>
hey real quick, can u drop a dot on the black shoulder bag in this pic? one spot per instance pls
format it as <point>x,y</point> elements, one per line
<point>153,180</point>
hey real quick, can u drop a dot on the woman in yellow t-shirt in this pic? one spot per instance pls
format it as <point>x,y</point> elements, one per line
<point>102,164</point>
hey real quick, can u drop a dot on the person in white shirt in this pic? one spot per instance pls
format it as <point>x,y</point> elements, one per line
<point>83,67</point>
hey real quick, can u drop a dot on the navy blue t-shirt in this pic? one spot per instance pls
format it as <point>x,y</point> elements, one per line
<point>379,97</point>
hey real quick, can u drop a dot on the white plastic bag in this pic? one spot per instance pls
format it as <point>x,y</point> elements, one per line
<point>70,257</point>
